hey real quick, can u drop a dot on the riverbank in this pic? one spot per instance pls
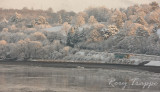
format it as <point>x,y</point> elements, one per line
<point>60,64</point>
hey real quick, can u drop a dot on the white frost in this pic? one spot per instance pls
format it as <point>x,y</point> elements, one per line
<point>153,63</point>
<point>158,32</point>
<point>54,29</point>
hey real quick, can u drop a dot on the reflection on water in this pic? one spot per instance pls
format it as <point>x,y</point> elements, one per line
<point>15,78</point>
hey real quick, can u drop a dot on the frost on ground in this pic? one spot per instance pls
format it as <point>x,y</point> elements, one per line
<point>153,63</point>
<point>158,32</point>
<point>105,57</point>
<point>54,29</point>
<point>92,56</point>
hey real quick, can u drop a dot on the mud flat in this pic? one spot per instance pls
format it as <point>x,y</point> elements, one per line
<point>29,77</point>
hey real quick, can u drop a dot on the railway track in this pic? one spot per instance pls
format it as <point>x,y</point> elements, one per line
<point>82,65</point>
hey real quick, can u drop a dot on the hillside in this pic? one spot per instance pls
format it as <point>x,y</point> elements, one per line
<point>46,35</point>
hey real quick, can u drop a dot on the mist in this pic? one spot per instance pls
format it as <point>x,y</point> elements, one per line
<point>69,5</point>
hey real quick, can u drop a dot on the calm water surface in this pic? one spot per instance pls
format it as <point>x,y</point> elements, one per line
<point>21,78</point>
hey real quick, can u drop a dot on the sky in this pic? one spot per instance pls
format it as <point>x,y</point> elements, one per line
<point>69,5</point>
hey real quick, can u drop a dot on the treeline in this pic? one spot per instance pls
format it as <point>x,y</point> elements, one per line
<point>23,33</point>
<point>30,14</point>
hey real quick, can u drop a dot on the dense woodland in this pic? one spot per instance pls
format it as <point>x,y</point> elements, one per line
<point>23,33</point>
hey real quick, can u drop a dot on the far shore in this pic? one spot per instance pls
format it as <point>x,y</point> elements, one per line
<point>60,64</point>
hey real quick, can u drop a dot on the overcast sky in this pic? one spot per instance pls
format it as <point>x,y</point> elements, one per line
<point>69,5</point>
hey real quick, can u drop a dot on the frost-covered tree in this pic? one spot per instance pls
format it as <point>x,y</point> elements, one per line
<point>2,43</point>
<point>75,37</point>
<point>38,36</point>
<point>154,5</point>
<point>66,50</point>
<point>51,36</point>
<point>70,37</point>
<point>25,49</point>
<point>95,36</point>
<point>126,25</point>
<point>146,8</point>
<point>16,18</point>
<point>132,28</point>
<point>92,20</point>
<point>20,50</point>
<point>36,48</point>
<point>57,45</point>
<point>5,20</point>
<point>117,18</point>
<point>15,37</point>
<point>153,17</point>
<point>133,44</point>
<point>32,49</point>
<point>59,19</point>
<point>5,30</point>
<point>69,19</point>
<point>50,10</point>
<point>84,15</point>
<point>40,22</point>
<point>119,22</point>
<point>141,20</point>
<point>142,31</point>
<point>110,31</point>
<point>100,13</point>
<point>13,29</point>
<point>3,47</point>
<point>98,26</point>
<point>132,10</point>
<point>66,27</point>
<point>80,21</point>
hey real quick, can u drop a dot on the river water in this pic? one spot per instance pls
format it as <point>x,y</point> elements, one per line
<point>23,78</point>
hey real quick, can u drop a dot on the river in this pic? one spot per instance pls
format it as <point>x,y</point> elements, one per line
<point>28,78</point>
